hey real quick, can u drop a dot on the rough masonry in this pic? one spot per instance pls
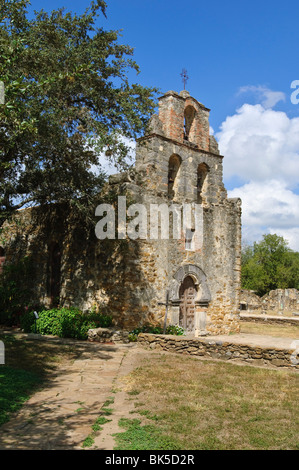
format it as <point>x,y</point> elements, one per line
<point>196,273</point>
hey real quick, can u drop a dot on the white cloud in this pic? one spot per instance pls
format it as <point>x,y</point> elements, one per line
<point>261,149</point>
<point>259,144</point>
<point>292,235</point>
<point>269,207</point>
<point>268,98</point>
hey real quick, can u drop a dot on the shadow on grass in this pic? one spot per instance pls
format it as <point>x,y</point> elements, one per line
<point>16,386</point>
<point>30,366</point>
<point>43,357</point>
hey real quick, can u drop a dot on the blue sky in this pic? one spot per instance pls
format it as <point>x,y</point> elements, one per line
<point>241,58</point>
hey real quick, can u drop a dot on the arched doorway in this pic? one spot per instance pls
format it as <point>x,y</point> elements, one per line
<point>187,296</point>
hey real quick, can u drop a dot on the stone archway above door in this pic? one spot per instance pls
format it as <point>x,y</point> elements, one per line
<point>200,280</point>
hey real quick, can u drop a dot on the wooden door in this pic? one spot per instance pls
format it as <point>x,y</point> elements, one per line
<point>187,305</point>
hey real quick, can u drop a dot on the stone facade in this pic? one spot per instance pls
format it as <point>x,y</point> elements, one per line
<point>177,165</point>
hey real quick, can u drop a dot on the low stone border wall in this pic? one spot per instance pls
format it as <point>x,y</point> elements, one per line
<point>222,350</point>
<point>106,335</point>
<point>269,319</point>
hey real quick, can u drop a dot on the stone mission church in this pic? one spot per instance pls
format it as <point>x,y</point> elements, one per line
<point>177,164</point>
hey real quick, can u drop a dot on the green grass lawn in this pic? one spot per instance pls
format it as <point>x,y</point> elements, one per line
<point>26,366</point>
<point>193,404</point>
<point>16,386</point>
<point>270,329</point>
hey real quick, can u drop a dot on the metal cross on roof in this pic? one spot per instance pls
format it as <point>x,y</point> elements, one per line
<point>184,77</point>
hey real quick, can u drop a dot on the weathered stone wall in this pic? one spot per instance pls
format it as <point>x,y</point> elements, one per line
<point>279,300</point>
<point>203,347</point>
<point>129,278</point>
<point>109,275</point>
<point>249,300</point>
<point>108,335</point>
<point>175,110</point>
<point>152,160</point>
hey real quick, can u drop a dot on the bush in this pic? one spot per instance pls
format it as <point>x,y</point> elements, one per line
<point>64,322</point>
<point>175,330</point>
<point>49,322</point>
<point>27,321</point>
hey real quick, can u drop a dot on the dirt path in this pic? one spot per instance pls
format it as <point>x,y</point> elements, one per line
<point>60,416</point>
<point>123,403</point>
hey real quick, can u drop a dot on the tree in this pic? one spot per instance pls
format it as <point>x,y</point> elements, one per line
<point>270,264</point>
<point>67,99</point>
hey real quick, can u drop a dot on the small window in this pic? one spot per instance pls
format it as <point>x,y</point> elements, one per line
<point>189,240</point>
<point>202,172</point>
<point>173,168</point>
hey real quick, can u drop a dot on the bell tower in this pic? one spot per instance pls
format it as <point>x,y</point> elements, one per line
<point>184,119</point>
<point>178,164</point>
<point>178,158</point>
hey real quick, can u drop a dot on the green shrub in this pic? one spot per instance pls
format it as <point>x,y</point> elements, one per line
<point>66,322</point>
<point>99,319</point>
<point>49,323</point>
<point>27,321</point>
<point>175,330</point>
